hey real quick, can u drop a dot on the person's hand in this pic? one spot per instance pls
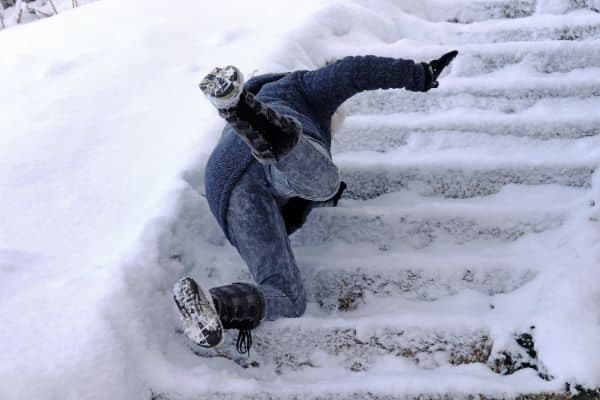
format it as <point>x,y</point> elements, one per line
<point>437,66</point>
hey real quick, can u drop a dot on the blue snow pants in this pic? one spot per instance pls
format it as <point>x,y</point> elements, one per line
<point>256,227</point>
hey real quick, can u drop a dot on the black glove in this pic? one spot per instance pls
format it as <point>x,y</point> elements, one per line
<point>436,67</point>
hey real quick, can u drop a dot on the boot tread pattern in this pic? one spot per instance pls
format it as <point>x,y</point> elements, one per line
<point>199,319</point>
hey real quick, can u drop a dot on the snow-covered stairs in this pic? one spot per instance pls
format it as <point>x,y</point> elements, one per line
<point>481,177</point>
<point>469,11</point>
<point>454,200</point>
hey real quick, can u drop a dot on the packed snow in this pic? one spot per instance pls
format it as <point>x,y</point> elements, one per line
<point>103,138</point>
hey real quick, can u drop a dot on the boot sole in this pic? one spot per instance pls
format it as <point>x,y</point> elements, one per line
<point>201,323</point>
<point>223,86</point>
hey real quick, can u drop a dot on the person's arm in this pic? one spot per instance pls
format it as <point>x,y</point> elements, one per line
<point>328,87</point>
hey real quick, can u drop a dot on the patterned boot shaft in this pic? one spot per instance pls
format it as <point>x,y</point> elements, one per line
<point>240,306</point>
<point>268,133</point>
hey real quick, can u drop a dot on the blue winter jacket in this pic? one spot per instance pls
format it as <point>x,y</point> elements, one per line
<point>311,97</point>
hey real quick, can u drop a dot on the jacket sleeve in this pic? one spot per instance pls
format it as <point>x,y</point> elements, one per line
<point>254,84</point>
<point>328,87</point>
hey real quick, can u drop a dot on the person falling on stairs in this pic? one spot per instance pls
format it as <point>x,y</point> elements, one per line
<point>271,166</point>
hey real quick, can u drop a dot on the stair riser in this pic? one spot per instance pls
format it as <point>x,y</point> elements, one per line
<point>387,138</point>
<point>469,12</point>
<point>506,101</point>
<point>345,290</point>
<point>325,226</point>
<point>368,183</point>
<point>543,60</point>
<point>369,395</point>
<point>477,11</point>
<point>531,34</point>
<point>284,349</point>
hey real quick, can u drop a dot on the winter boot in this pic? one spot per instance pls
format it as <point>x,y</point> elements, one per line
<point>223,86</point>
<point>237,306</point>
<point>269,134</point>
<point>240,306</point>
<point>200,320</point>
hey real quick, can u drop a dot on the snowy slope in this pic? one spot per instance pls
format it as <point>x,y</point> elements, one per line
<point>22,12</point>
<point>100,116</point>
<point>470,218</point>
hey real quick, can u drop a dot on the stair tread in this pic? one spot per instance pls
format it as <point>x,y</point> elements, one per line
<point>587,77</point>
<point>442,257</point>
<point>530,199</point>
<point>464,150</point>
<point>421,223</point>
<point>467,311</point>
<point>531,24</point>
<point>546,111</point>
<point>402,377</point>
<point>388,377</point>
<point>487,93</point>
<point>527,47</point>
<point>502,51</point>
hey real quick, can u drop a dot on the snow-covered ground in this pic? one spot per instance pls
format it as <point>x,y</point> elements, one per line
<point>472,214</point>
<point>24,12</point>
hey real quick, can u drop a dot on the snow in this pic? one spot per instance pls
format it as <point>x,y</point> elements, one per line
<point>103,138</point>
<point>97,127</point>
<point>25,12</point>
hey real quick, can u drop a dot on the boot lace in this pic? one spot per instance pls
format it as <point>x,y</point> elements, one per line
<point>244,341</point>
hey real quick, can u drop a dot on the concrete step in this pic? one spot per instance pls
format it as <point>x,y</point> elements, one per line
<point>418,221</point>
<point>483,94</point>
<point>457,182</point>
<point>504,60</point>
<point>581,25</point>
<point>342,277</point>
<point>339,391</point>
<point>406,330</point>
<point>471,11</point>
<point>420,336</point>
<point>465,11</point>
<point>533,57</point>
<point>482,165</point>
<point>387,132</point>
<point>418,231</point>
<point>390,377</point>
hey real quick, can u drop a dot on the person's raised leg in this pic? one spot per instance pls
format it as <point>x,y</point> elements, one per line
<point>307,172</point>
<point>296,164</point>
<point>269,134</point>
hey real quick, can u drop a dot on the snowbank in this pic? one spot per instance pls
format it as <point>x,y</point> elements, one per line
<point>100,116</point>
